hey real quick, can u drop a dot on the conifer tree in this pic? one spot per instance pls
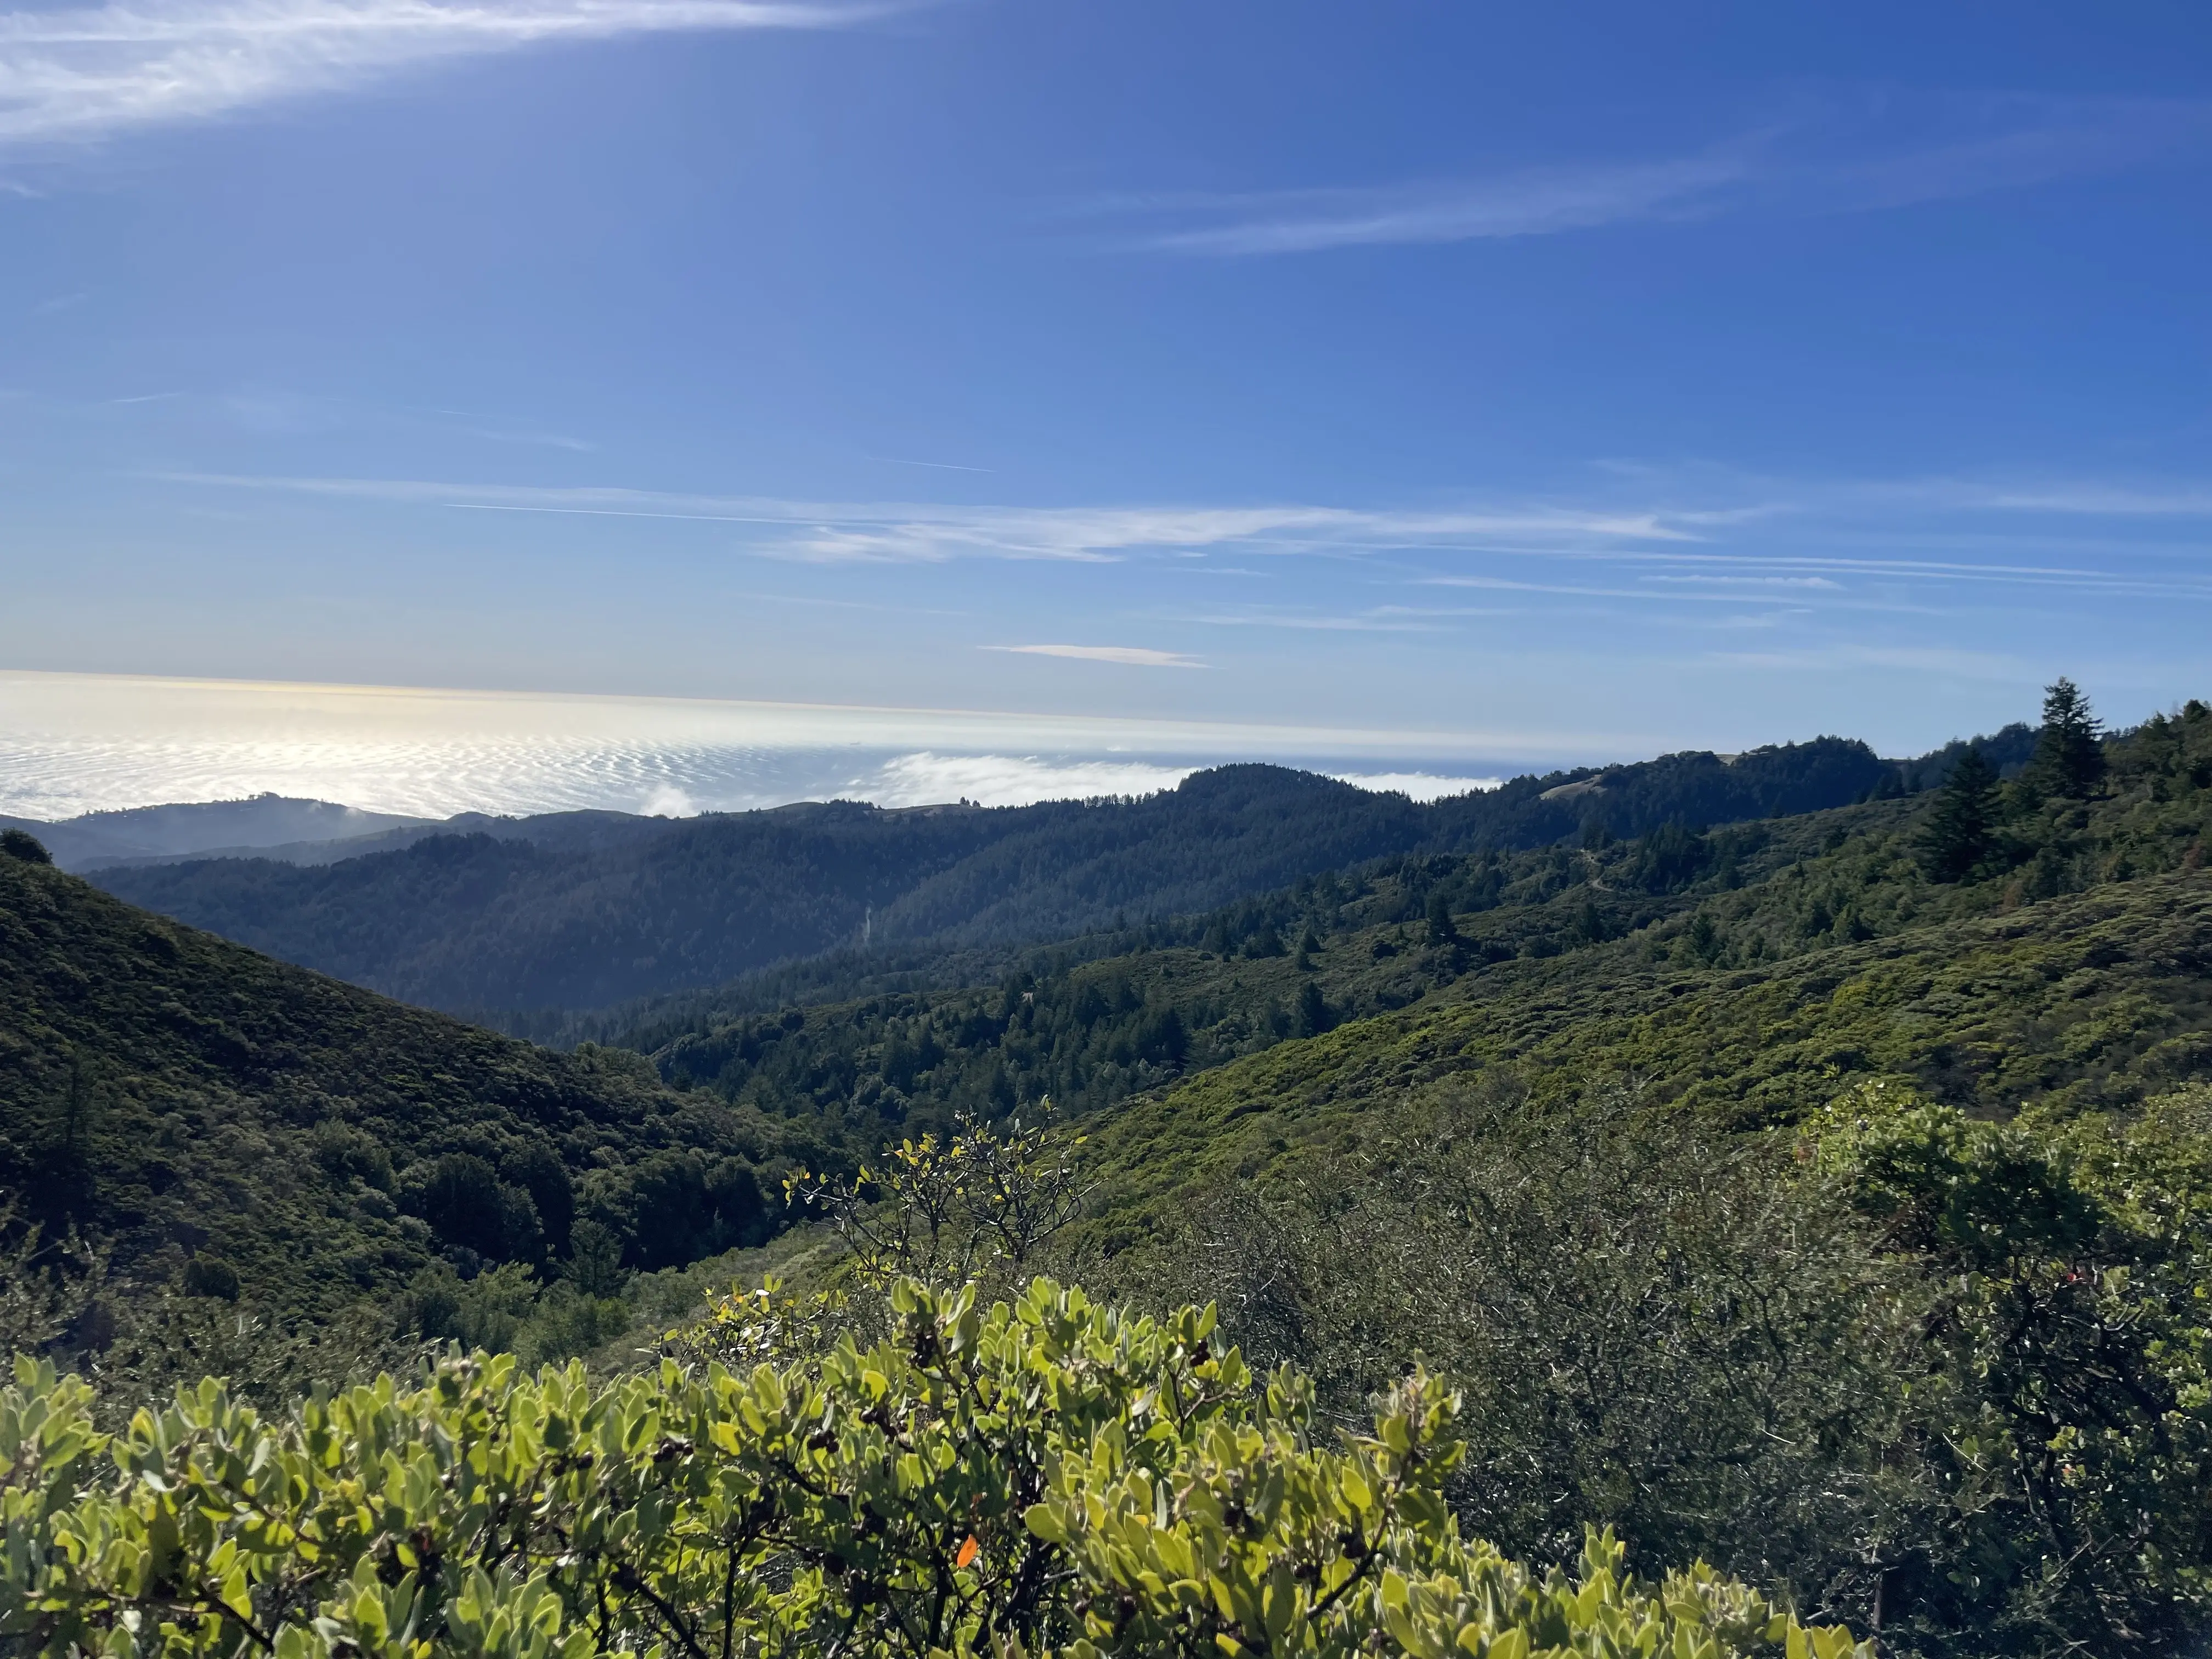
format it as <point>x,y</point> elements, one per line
<point>1958,833</point>
<point>2069,760</point>
<point>1314,1015</point>
<point>1442,928</point>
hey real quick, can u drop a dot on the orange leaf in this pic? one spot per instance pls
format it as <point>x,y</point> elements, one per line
<point>968,1551</point>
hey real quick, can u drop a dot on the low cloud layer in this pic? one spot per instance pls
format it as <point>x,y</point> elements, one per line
<point>924,779</point>
<point>1421,785</point>
<point>74,744</point>
<point>437,779</point>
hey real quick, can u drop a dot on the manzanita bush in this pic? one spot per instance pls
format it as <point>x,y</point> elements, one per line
<point>1048,1477</point>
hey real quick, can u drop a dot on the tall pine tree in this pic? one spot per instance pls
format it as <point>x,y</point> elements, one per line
<point>2070,758</point>
<point>1960,831</point>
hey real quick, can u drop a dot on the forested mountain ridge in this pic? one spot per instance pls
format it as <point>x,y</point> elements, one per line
<point>1849,1218</point>
<point>500,926</point>
<point>1586,930</point>
<point>254,1128</point>
<point>476,923</point>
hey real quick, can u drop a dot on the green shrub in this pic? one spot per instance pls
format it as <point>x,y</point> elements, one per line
<point>1048,1477</point>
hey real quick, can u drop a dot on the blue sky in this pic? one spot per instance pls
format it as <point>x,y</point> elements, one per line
<point>1538,382</point>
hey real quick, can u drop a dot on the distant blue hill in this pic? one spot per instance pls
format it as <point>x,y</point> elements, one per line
<point>203,828</point>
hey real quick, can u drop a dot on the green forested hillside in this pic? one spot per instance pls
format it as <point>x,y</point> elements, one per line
<point>1093,1021</point>
<point>1748,970</point>
<point>2070,970</point>
<point>1626,955</point>
<point>504,929</point>
<point>254,1129</point>
<point>226,1120</point>
<point>2091,1001</point>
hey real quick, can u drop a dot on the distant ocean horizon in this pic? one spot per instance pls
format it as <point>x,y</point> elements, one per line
<point>73,744</point>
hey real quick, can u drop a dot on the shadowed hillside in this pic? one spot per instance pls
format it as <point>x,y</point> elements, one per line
<point>310,1143</point>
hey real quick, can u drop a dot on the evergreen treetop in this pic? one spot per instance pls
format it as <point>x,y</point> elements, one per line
<point>2069,755</point>
<point>1958,834</point>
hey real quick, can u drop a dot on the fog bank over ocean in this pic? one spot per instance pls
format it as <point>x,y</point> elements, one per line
<point>72,743</point>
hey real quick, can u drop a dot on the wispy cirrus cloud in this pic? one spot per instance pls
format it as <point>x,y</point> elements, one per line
<point>1884,150</point>
<point>1531,202</point>
<point>78,73</point>
<point>1381,619</point>
<point>541,439</point>
<point>929,532</point>
<point>1129,656</point>
<point>2097,500</point>
<point>1821,542</point>
<point>1706,579</point>
<point>1729,590</point>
